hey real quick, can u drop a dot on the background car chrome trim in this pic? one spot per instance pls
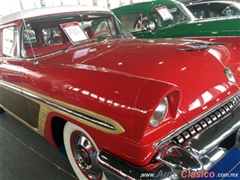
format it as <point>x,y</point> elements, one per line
<point>219,107</point>
<point>100,121</point>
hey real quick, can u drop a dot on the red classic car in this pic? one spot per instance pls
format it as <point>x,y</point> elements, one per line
<point>122,107</point>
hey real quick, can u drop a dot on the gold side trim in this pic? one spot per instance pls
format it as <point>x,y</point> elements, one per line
<point>48,105</point>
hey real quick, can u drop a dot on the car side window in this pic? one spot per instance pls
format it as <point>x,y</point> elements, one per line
<point>135,21</point>
<point>29,37</point>
<point>52,36</point>
<point>9,42</point>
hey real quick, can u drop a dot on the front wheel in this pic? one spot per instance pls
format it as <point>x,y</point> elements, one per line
<point>82,153</point>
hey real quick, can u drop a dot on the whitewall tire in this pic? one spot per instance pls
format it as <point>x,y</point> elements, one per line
<point>82,153</point>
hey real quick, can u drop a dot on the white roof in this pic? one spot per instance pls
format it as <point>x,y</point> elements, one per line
<point>43,11</point>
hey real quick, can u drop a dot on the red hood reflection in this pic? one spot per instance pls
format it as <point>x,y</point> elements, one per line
<point>198,73</point>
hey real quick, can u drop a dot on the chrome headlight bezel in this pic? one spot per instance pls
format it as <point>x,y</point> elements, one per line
<point>160,113</point>
<point>230,75</point>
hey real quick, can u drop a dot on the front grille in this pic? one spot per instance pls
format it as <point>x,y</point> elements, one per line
<point>208,120</point>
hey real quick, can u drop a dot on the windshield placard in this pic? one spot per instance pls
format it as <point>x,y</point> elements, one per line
<point>164,13</point>
<point>74,31</point>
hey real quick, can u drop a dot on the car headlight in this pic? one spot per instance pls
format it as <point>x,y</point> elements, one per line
<point>230,75</point>
<point>159,114</point>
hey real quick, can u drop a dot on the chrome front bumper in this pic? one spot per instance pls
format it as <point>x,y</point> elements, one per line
<point>201,146</point>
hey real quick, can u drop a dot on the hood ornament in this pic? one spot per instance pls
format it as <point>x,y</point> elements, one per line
<point>193,46</point>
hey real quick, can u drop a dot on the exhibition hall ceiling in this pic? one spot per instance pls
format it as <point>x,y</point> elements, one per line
<point>12,6</point>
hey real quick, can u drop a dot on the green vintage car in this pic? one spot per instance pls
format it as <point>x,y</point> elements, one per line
<point>172,19</point>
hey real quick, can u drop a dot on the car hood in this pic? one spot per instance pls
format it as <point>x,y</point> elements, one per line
<point>195,68</point>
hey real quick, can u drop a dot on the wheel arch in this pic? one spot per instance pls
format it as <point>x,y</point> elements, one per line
<point>53,131</point>
<point>54,126</point>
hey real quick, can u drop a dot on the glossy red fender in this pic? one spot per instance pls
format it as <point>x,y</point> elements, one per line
<point>149,97</point>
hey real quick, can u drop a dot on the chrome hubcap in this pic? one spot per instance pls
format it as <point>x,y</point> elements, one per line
<point>85,155</point>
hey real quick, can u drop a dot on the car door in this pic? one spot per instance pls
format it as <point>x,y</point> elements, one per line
<point>11,72</point>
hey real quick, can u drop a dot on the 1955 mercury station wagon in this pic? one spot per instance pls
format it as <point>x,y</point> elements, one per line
<point>120,106</point>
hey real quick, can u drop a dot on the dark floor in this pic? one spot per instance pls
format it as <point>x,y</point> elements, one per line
<point>25,155</point>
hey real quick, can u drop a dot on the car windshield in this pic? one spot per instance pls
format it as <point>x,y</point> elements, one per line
<point>54,33</point>
<point>214,9</point>
<point>232,10</point>
<point>170,14</point>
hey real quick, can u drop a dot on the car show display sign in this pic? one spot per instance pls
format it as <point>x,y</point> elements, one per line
<point>74,32</point>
